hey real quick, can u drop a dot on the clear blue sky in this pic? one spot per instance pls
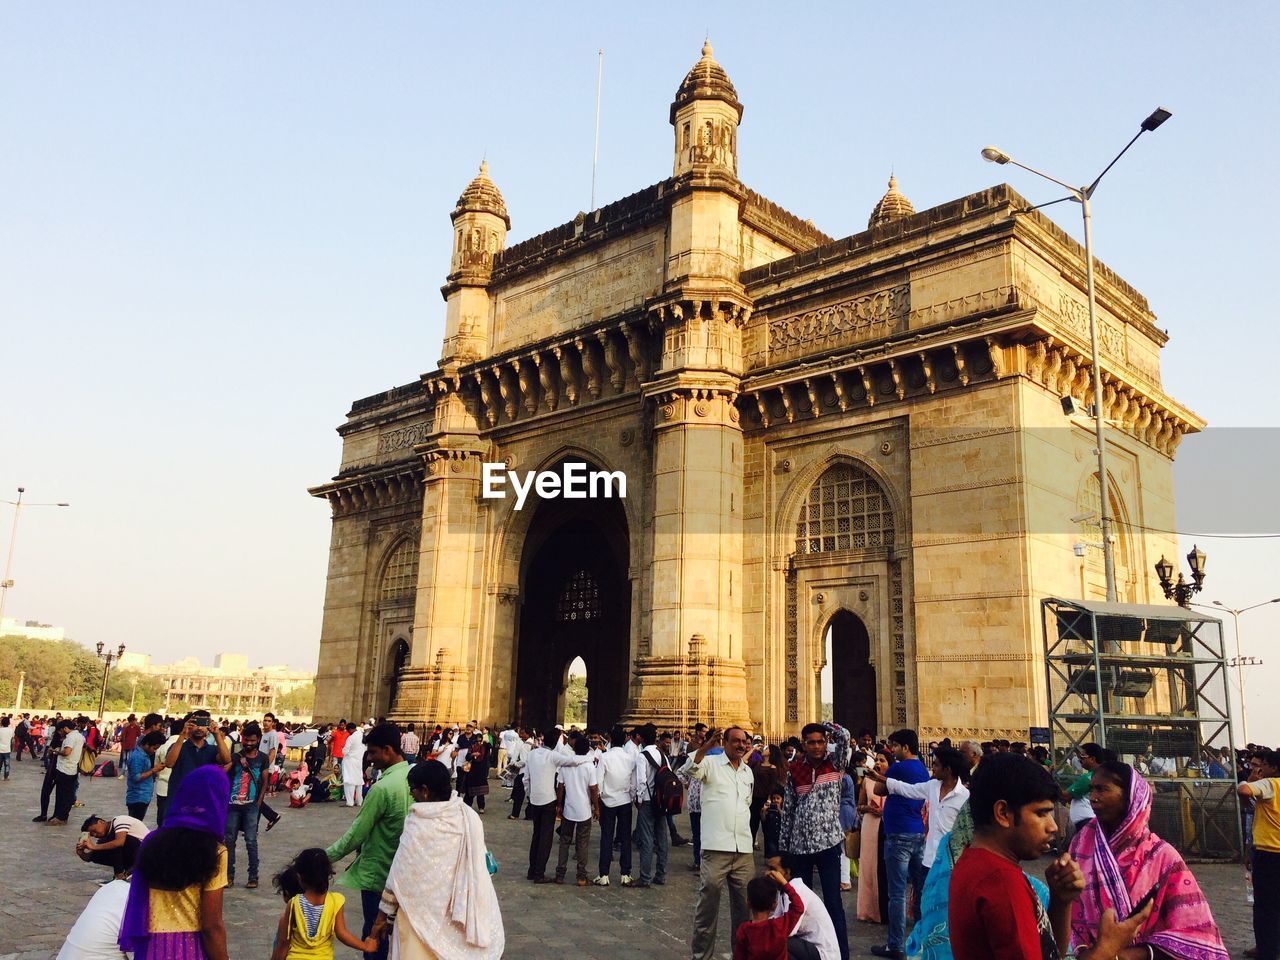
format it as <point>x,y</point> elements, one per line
<point>222,224</point>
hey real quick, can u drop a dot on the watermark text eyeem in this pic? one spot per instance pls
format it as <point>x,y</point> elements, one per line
<point>572,482</point>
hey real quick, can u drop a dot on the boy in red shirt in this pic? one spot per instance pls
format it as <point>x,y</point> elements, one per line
<point>994,913</point>
<point>763,938</point>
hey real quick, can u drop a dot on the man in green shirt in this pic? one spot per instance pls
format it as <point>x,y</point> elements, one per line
<point>375,832</point>
<point>1077,794</point>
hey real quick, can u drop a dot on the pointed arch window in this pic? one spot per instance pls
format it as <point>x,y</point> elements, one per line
<point>845,509</point>
<point>579,600</point>
<point>400,577</point>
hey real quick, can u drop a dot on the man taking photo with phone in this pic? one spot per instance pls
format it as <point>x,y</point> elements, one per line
<point>193,749</point>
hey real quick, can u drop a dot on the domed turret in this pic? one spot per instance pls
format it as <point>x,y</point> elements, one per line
<point>706,81</point>
<point>482,196</point>
<point>706,114</point>
<point>480,225</point>
<point>892,206</point>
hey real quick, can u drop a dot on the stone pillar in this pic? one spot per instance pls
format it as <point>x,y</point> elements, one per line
<point>435,685</point>
<point>693,669</point>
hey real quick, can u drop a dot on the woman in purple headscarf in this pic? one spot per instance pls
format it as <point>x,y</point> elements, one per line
<point>175,895</point>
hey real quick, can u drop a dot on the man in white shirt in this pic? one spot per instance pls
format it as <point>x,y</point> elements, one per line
<point>96,930</point>
<point>507,741</point>
<point>944,793</point>
<point>579,795</point>
<point>727,783</point>
<point>113,843</point>
<point>516,757</point>
<point>815,926</point>
<point>6,744</point>
<point>540,784</point>
<point>616,776</point>
<point>66,773</point>
<point>651,828</point>
<point>635,740</point>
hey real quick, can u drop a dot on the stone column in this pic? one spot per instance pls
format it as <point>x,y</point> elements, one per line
<point>435,686</point>
<point>695,650</point>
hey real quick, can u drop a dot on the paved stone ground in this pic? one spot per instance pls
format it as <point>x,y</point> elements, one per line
<point>43,886</point>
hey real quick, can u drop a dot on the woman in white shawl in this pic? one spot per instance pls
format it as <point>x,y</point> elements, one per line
<point>439,893</point>
<point>353,767</point>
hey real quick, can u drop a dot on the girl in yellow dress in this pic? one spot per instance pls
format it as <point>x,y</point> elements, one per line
<point>313,916</point>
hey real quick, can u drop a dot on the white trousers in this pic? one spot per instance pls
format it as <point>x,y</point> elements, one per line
<point>353,794</point>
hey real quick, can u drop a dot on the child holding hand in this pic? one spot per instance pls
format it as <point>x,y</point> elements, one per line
<point>313,915</point>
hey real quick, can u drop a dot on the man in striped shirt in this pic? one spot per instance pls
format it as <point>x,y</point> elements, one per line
<point>811,834</point>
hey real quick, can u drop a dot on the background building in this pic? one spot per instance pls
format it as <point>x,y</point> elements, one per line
<point>229,686</point>
<point>857,437</point>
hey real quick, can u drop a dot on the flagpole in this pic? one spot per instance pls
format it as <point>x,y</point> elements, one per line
<point>595,155</point>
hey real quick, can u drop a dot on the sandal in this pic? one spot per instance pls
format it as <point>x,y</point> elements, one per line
<point>252,884</point>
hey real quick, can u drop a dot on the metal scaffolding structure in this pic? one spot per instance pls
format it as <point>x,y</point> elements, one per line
<point>1149,683</point>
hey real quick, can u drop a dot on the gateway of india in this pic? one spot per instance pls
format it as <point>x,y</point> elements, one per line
<point>857,441</point>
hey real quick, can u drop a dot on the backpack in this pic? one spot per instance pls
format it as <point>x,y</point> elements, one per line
<point>668,792</point>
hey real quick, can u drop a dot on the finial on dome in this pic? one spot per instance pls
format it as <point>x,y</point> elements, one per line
<point>892,206</point>
<point>706,49</point>
<point>484,167</point>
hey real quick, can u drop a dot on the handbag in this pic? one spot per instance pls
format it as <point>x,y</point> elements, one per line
<point>88,760</point>
<point>490,862</point>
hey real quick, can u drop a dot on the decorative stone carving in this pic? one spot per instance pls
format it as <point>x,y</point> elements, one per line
<point>852,321</point>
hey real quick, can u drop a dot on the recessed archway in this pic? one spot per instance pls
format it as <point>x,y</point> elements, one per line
<point>575,603</point>
<point>574,700</point>
<point>848,680</point>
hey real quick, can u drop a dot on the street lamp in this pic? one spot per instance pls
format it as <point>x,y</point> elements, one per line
<point>107,659</point>
<point>7,582</point>
<point>1082,195</point>
<point>1238,661</point>
<point>1181,592</point>
<point>133,695</point>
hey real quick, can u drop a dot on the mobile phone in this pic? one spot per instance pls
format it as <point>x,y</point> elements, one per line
<point>201,721</point>
<point>1137,907</point>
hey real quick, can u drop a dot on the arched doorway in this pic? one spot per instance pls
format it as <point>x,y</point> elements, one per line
<point>574,701</point>
<point>399,660</point>
<point>575,603</point>
<point>849,678</point>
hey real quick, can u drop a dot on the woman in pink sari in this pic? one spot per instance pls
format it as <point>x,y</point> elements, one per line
<point>1122,861</point>
<point>871,807</point>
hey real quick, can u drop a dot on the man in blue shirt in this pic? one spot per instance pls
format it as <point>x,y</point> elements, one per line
<point>192,748</point>
<point>140,771</point>
<point>903,826</point>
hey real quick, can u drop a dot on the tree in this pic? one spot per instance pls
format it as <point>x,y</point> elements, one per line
<point>575,700</point>
<point>300,701</point>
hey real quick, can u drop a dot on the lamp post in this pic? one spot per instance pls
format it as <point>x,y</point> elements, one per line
<point>133,694</point>
<point>1083,195</point>
<point>107,659</point>
<point>1181,592</point>
<point>7,581</point>
<point>17,701</point>
<point>1238,661</point>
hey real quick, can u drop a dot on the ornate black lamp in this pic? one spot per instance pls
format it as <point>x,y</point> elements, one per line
<point>1181,592</point>
<point>107,659</point>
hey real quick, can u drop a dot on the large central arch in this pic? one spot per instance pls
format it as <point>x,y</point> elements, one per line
<point>575,601</point>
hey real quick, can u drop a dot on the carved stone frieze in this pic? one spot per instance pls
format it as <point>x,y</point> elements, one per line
<point>856,320</point>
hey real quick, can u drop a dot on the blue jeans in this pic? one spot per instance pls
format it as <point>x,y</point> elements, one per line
<point>827,863</point>
<point>242,819</point>
<point>4,763</point>
<point>369,900</point>
<point>695,827</point>
<point>903,853</point>
<point>651,837</point>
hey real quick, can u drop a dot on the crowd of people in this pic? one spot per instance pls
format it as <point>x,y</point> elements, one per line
<point>935,837</point>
